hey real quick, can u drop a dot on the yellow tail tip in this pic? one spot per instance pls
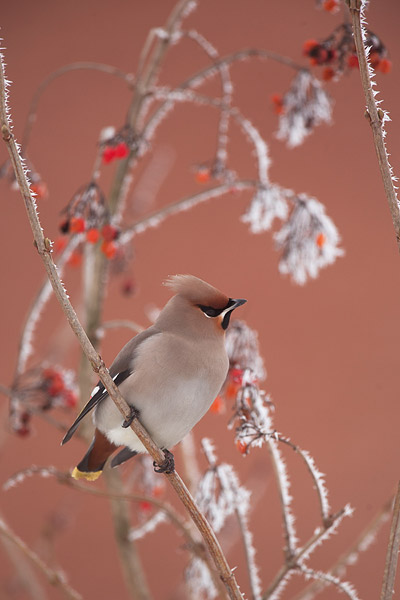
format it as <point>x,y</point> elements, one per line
<point>88,475</point>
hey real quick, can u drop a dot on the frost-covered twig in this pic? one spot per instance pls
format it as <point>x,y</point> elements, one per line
<point>155,218</point>
<point>233,498</point>
<point>392,555</point>
<point>170,513</point>
<point>55,578</point>
<point>227,89</point>
<point>376,116</point>
<point>301,554</point>
<point>120,323</point>
<point>25,345</point>
<point>343,586</point>
<point>43,247</point>
<point>317,476</point>
<point>350,556</point>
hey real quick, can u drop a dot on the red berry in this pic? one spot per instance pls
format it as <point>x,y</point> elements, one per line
<point>145,506</point>
<point>331,6</point>
<point>109,249</point>
<point>75,260</point>
<point>203,175</point>
<point>327,74</point>
<point>232,390</point>
<point>385,65</point>
<point>40,190</point>
<point>109,232</point>
<point>93,235</point>
<point>56,385</point>
<point>277,100</point>
<point>49,373</point>
<point>236,375</point>
<point>59,244</point>
<point>308,46</point>
<point>374,59</point>
<point>77,225</point>
<point>241,446</point>
<point>321,239</point>
<point>108,154</point>
<point>121,150</point>
<point>352,61</point>
<point>70,398</point>
<point>157,491</point>
<point>23,431</point>
<point>218,406</point>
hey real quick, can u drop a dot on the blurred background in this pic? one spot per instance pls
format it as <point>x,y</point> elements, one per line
<point>330,347</point>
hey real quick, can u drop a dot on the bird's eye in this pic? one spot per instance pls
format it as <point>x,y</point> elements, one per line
<point>209,311</point>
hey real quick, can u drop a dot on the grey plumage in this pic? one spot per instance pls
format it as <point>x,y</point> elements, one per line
<point>170,373</point>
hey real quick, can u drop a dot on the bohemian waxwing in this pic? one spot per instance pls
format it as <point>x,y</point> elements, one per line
<point>169,375</point>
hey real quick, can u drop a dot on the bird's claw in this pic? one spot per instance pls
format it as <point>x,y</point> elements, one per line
<point>167,465</point>
<point>134,415</point>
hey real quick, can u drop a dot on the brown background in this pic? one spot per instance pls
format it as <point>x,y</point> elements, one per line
<point>331,347</point>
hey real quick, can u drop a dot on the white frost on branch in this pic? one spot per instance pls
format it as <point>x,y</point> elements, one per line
<point>309,240</point>
<point>343,586</point>
<point>305,105</point>
<point>267,204</point>
<point>136,533</point>
<point>332,530</point>
<point>199,580</point>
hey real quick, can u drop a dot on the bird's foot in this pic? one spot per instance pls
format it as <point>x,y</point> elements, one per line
<point>167,465</point>
<point>135,413</point>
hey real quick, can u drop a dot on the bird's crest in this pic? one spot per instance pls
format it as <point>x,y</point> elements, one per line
<point>196,290</point>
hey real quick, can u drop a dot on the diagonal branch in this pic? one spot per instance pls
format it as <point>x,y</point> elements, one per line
<point>54,577</point>
<point>392,551</point>
<point>375,115</point>
<point>44,249</point>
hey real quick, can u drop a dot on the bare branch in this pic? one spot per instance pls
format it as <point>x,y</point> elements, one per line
<point>376,116</point>
<point>54,577</point>
<point>155,218</point>
<point>392,551</point>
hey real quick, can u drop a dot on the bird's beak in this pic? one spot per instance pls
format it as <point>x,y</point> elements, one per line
<point>237,302</point>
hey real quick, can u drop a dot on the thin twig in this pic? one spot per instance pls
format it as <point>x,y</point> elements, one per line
<point>120,323</point>
<point>361,544</point>
<point>43,247</point>
<point>392,555</point>
<point>54,577</point>
<point>36,309</point>
<point>157,216</point>
<point>376,116</point>
<point>93,66</point>
<point>175,518</point>
<point>291,565</point>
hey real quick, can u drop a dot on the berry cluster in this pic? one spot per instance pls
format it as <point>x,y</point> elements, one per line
<point>112,152</point>
<point>119,145</point>
<point>337,53</point>
<point>40,390</point>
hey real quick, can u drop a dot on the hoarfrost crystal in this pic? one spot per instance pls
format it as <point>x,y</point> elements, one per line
<point>306,105</point>
<point>309,240</point>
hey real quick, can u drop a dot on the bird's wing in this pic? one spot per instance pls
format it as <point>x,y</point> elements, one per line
<point>121,368</point>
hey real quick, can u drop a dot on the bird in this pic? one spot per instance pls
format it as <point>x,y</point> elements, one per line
<point>169,374</point>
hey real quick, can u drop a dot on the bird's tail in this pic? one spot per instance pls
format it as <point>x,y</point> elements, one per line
<point>91,465</point>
